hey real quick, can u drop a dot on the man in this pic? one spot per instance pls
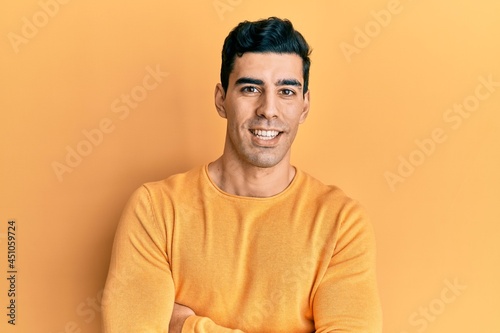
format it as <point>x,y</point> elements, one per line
<point>247,243</point>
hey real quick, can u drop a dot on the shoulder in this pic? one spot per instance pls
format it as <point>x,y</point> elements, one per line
<point>174,183</point>
<point>331,201</point>
<point>317,190</point>
<point>163,193</point>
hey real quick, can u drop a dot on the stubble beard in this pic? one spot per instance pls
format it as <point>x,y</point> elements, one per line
<point>260,157</point>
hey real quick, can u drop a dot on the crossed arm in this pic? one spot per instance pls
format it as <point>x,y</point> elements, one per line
<point>140,294</point>
<point>179,316</point>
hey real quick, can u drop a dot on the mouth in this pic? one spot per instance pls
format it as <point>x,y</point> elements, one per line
<point>265,135</point>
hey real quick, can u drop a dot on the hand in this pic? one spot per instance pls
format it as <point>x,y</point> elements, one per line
<point>179,316</point>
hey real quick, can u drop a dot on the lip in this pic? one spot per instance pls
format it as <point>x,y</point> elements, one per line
<point>264,129</point>
<point>267,143</point>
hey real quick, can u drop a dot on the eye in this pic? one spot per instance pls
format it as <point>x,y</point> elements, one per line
<point>250,90</point>
<point>287,92</point>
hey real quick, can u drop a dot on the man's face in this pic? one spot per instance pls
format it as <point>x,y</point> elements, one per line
<point>264,105</point>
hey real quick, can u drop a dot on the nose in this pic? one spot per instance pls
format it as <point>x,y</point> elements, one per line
<point>268,108</point>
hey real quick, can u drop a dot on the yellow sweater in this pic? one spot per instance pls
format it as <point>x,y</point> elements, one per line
<point>300,261</point>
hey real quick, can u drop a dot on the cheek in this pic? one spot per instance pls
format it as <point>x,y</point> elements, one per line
<point>295,118</point>
<point>237,117</point>
<point>235,125</point>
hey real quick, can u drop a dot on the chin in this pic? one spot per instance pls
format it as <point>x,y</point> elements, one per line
<point>264,161</point>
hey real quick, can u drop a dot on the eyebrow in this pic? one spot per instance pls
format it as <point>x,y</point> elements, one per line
<point>281,82</point>
<point>289,82</point>
<point>249,80</point>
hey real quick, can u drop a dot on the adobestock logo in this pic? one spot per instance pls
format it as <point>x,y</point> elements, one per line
<point>290,281</point>
<point>454,118</point>
<point>372,29</point>
<point>421,319</point>
<point>30,27</point>
<point>90,309</point>
<point>223,6</point>
<point>121,106</point>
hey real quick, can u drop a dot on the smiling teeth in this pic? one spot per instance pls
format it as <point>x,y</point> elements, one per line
<point>265,135</point>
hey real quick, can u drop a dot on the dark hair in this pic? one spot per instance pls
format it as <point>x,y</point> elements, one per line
<point>269,35</point>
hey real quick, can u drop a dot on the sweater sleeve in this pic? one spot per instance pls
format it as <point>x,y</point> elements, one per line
<point>197,324</point>
<point>139,294</point>
<point>347,298</point>
<point>139,291</point>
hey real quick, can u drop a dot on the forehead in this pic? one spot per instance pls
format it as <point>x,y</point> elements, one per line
<point>268,66</point>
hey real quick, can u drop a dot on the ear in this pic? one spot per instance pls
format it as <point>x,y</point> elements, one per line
<point>219,98</point>
<point>305,109</point>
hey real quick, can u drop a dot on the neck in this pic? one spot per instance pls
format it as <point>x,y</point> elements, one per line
<point>250,181</point>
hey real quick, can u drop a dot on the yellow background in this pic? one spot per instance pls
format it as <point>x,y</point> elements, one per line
<point>436,226</point>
